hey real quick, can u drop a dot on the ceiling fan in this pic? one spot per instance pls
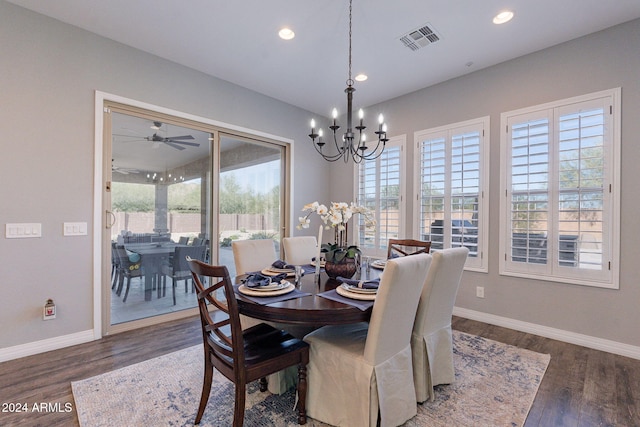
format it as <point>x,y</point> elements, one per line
<point>124,171</point>
<point>177,142</point>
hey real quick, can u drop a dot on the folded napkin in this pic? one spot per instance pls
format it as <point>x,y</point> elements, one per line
<point>282,265</point>
<point>256,280</point>
<point>364,284</point>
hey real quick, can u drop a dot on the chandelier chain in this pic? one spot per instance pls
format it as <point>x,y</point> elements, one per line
<point>350,80</point>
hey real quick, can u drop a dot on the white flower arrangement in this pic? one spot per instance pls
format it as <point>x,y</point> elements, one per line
<point>337,216</point>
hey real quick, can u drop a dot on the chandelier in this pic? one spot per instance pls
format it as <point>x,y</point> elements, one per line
<point>350,146</point>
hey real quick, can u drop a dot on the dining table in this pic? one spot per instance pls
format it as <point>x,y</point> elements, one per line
<point>314,302</point>
<point>152,255</point>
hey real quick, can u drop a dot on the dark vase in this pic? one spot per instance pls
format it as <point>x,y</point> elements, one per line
<point>345,268</point>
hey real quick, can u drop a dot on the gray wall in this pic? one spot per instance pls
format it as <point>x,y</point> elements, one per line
<point>600,61</point>
<point>49,73</point>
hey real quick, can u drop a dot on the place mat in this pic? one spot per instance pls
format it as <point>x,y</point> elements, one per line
<point>270,300</point>
<point>309,268</point>
<point>334,296</point>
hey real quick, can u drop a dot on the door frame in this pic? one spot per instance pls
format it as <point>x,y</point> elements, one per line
<point>101,212</point>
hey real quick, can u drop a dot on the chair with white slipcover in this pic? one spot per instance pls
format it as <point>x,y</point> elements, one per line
<point>431,340</point>
<point>299,250</point>
<point>253,255</point>
<point>362,371</point>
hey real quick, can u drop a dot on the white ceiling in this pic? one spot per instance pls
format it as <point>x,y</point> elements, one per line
<point>237,40</point>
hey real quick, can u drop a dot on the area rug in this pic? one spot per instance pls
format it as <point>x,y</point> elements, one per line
<point>495,386</point>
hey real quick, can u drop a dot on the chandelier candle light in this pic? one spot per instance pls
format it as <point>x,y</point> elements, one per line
<point>349,146</point>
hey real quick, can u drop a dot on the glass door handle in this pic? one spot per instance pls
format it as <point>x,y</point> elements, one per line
<point>113,217</point>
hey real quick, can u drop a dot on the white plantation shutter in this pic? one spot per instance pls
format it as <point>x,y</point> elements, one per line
<point>560,209</point>
<point>433,188</point>
<point>381,189</point>
<point>452,170</point>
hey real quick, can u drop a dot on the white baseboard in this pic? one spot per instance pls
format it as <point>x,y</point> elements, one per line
<point>553,333</point>
<point>36,347</point>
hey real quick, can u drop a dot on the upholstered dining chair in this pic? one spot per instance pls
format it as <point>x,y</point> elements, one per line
<point>404,247</point>
<point>431,340</point>
<point>299,250</point>
<point>242,356</point>
<point>253,255</point>
<point>361,371</point>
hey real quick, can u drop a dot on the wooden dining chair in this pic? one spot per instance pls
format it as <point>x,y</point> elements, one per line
<point>404,247</point>
<point>242,356</point>
<point>431,339</point>
<point>361,371</point>
<point>299,250</point>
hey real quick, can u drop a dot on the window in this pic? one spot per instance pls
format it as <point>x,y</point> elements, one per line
<point>381,189</point>
<point>559,180</point>
<point>452,184</point>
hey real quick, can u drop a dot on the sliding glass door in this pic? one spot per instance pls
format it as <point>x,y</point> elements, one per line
<point>251,193</point>
<point>176,187</point>
<point>160,203</point>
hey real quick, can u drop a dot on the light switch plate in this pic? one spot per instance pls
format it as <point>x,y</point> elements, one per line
<point>23,230</point>
<point>75,229</point>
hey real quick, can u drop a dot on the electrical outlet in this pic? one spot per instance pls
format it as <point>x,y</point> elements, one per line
<point>49,310</point>
<point>479,291</point>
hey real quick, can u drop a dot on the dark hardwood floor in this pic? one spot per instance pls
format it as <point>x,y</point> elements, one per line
<point>582,387</point>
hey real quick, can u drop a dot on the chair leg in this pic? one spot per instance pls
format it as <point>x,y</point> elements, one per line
<point>238,412</point>
<point>126,292</point>
<point>206,389</point>
<point>114,277</point>
<point>263,384</point>
<point>120,284</point>
<point>302,394</point>
<point>173,289</point>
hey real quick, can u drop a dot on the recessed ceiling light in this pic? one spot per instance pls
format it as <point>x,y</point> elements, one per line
<point>361,77</point>
<point>503,17</point>
<point>286,34</point>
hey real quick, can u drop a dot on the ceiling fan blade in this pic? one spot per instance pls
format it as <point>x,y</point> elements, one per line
<point>126,141</point>
<point>192,144</point>
<point>171,144</point>
<point>127,136</point>
<point>135,132</point>
<point>181,137</point>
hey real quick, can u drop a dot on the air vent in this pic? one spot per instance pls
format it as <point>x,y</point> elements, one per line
<point>420,37</point>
